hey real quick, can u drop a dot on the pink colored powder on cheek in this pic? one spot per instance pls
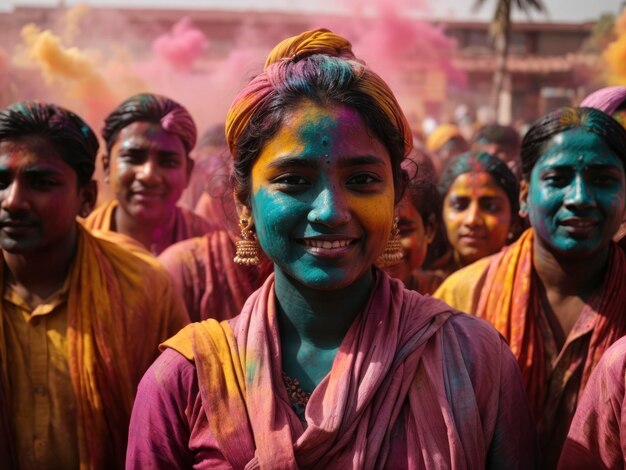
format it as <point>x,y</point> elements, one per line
<point>11,152</point>
<point>15,155</point>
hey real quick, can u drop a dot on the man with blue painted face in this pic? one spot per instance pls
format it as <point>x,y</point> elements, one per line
<point>558,293</point>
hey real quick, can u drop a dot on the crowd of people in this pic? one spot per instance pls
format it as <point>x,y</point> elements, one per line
<point>310,285</point>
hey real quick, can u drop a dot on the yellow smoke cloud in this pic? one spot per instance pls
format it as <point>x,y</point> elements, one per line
<point>615,54</point>
<point>59,63</point>
<point>81,76</point>
<point>73,70</point>
<point>72,20</point>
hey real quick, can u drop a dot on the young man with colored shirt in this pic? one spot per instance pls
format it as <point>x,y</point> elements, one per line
<point>81,317</point>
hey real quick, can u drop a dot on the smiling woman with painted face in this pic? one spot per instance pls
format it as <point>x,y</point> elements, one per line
<point>148,139</point>
<point>558,293</point>
<point>331,363</point>
<point>480,206</point>
<point>612,101</point>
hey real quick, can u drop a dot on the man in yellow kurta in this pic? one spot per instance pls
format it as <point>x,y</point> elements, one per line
<point>81,317</point>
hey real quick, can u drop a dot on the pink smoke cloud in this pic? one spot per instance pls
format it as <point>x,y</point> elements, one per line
<point>182,46</point>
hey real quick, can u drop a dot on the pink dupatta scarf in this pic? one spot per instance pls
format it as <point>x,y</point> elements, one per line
<point>394,358</point>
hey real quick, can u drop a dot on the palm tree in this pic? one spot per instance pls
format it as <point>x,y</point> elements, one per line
<point>500,31</point>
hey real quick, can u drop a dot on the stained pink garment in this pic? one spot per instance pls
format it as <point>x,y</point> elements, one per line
<point>597,436</point>
<point>413,385</point>
<point>209,281</point>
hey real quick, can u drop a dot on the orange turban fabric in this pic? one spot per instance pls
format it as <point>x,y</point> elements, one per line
<point>280,67</point>
<point>441,135</point>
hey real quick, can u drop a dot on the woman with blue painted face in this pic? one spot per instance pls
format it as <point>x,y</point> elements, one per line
<point>612,101</point>
<point>558,294</point>
<point>331,363</point>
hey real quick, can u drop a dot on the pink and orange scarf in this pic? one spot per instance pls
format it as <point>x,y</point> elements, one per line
<point>400,360</point>
<point>508,301</point>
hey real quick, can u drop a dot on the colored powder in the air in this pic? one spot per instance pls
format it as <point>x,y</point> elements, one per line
<point>74,71</point>
<point>72,20</point>
<point>615,54</point>
<point>113,56</point>
<point>181,46</point>
<point>413,56</point>
<point>207,87</point>
<point>4,75</point>
<point>4,63</point>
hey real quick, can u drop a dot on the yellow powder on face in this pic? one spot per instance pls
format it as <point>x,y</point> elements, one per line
<point>302,135</point>
<point>282,144</point>
<point>465,214</point>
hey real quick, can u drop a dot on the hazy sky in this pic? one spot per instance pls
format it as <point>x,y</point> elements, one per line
<point>559,10</point>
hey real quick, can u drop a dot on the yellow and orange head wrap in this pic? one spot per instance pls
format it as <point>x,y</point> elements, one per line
<point>441,135</point>
<point>280,66</point>
<point>320,66</point>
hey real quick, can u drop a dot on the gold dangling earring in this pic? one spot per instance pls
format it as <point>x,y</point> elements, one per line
<point>392,254</point>
<point>247,249</point>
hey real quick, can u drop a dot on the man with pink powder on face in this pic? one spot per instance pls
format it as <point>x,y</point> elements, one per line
<point>148,139</point>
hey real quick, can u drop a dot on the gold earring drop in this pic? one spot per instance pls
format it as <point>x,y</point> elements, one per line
<point>392,254</point>
<point>247,249</point>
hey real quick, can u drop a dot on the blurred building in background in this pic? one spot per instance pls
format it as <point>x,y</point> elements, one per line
<point>547,67</point>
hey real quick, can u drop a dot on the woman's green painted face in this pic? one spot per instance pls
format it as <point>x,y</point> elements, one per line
<point>323,196</point>
<point>576,194</point>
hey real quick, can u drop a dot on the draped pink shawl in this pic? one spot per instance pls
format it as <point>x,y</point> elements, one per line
<point>405,358</point>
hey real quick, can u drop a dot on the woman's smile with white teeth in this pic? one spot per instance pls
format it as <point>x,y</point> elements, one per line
<point>327,244</point>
